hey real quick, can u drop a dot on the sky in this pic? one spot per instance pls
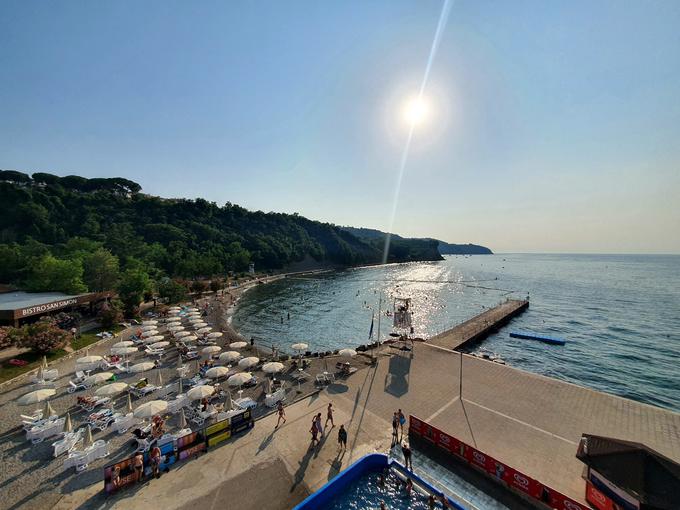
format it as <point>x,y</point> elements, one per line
<point>552,126</point>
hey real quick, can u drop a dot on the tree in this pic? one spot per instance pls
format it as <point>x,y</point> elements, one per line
<point>43,336</point>
<point>131,288</point>
<point>51,274</point>
<point>216,285</point>
<point>6,339</point>
<point>111,313</point>
<point>172,291</point>
<point>199,286</point>
<point>101,270</point>
<point>14,176</point>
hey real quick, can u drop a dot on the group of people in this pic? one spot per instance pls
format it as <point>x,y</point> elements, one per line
<point>385,478</point>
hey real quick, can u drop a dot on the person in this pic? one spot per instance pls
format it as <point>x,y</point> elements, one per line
<point>402,420</point>
<point>409,486</point>
<point>329,415</point>
<point>444,501</point>
<point>406,450</point>
<point>319,427</point>
<point>155,461</point>
<point>430,502</point>
<point>342,438</point>
<point>138,464</point>
<point>382,506</point>
<point>315,433</point>
<point>381,480</point>
<point>115,476</point>
<point>282,414</point>
<point>395,425</point>
<point>204,404</point>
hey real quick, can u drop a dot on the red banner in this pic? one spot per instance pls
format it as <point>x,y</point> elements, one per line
<point>597,499</point>
<point>499,470</point>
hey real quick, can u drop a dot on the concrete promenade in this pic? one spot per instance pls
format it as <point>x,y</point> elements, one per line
<point>480,325</point>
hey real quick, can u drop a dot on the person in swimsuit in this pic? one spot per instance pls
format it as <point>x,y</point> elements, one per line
<point>329,415</point>
<point>315,433</point>
<point>138,464</point>
<point>342,438</point>
<point>282,414</point>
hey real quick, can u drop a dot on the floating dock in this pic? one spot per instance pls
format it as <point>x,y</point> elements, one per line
<point>480,326</point>
<point>535,336</point>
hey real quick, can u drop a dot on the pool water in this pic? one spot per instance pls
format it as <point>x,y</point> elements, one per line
<point>366,493</point>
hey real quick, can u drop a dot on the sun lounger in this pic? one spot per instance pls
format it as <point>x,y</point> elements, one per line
<point>272,399</point>
<point>144,390</point>
<point>48,376</point>
<point>29,424</point>
<point>73,387</point>
<point>101,420</point>
<point>81,458</point>
<point>80,377</point>
<point>122,423</point>
<point>51,428</point>
<point>67,443</point>
<point>191,355</point>
<point>89,403</point>
<point>245,403</point>
<point>178,403</point>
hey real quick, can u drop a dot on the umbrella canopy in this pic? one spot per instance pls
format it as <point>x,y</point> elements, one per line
<point>47,410</point>
<point>204,330</point>
<point>151,409</point>
<point>230,356</point>
<point>159,379</point>
<point>248,362</point>
<point>159,345</point>
<point>149,322</point>
<point>228,404</point>
<point>237,345</point>
<point>150,327</point>
<point>153,339</point>
<point>128,407</point>
<point>124,351</point>
<point>149,332</point>
<point>180,334</point>
<point>347,353</point>
<point>44,362</point>
<point>86,360</point>
<point>211,349</point>
<point>98,378</point>
<point>175,329</point>
<point>142,367</point>
<point>173,319</point>
<point>201,391</point>
<point>182,419</point>
<point>273,367</point>
<point>216,334</point>
<point>120,345</point>
<point>87,442</point>
<point>239,379</point>
<point>41,373</point>
<point>215,372</point>
<point>190,338</point>
<point>300,347</point>
<point>36,396</point>
<point>111,389</point>
<point>68,426</point>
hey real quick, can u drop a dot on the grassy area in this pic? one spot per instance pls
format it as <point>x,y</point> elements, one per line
<point>91,337</point>
<point>8,371</point>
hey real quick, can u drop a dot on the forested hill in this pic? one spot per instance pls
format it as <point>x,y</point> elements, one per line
<point>65,218</point>
<point>443,247</point>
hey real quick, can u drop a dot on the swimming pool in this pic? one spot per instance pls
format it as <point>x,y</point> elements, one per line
<point>359,488</point>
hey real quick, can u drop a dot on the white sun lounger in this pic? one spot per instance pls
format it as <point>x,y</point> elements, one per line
<point>67,443</point>
<point>178,403</point>
<point>51,428</point>
<point>81,458</point>
<point>123,423</point>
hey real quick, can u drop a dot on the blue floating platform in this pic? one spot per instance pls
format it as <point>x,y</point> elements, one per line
<point>535,336</point>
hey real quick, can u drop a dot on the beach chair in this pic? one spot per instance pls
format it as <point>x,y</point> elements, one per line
<point>29,424</point>
<point>123,423</point>
<point>81,458</point>
<point>320,379</point>
<point>143,388</point>
<point>39,433</point>
<point>154,352</point>
<point>80,377</point>
<point>73,387</point>
<point>101,420</point>
<point>178,403</point>
<point>48,376</point>
<point>90,403</point>
<point>272,399</point>
<point>67,443</point>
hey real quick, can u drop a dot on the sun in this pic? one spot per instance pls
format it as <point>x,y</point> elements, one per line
<point>416,111</point>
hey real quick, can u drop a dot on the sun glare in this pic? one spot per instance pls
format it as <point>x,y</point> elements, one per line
<point>416,111</point>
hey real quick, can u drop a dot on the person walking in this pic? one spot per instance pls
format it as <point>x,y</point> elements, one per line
<point>155,461</point>
<point>329,415</point>
<point>319,427</point>
<point>342,438</point>
<point>282,414</point>
<point>315,432</point>
<point>138,464</point>
<point>402,421</point>
<point>395,429</point>
<point>406,450</point>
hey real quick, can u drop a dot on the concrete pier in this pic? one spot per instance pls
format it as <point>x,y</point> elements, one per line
<point>480,325</point>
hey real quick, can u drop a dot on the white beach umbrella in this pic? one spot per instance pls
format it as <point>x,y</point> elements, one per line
<point>215,334</point>
<point>142,367</point>
<point>124,351</point>
<point>120,345</point>
<point>205,330</point>
<point>111,389</point>
<point>173,319</point>
<point>175,329</point>
<point>159,345</point>
<point>150,327</point>
<point>273,367</point>
<point>215,372</point>
<point>347,353</point>
<point>201,391</point>
<point>68,425</point>
<point>128,407</point>
<point>182,419</point>
<point>87,360</point>
<point>248,362</point>
<point>228,403</point>
<point>151,409</point>
<point>48,410</point>
<point>190,338</point>
<point>36,396</point>
<point>159,379</point>
<point>229,356</point>
<point>180,334</point>
<point>153,339</point>
<point>211,349</point>
<point>88,441</point>
<point>97,378</point>
<point>239,379</point>
<point>44,362</point>
<point>149,322</point>
<point>300,347</point>
<point>149,332</point>
<point>238,345</point>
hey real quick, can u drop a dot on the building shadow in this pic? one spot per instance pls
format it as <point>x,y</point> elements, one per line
<point>397,378</point>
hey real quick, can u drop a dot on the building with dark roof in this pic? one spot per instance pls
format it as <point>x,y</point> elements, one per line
<point>18,306</point>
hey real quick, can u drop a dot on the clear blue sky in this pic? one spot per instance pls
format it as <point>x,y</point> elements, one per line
<point>555,126</point>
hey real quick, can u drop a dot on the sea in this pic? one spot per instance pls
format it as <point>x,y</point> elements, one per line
<point>619,314</point>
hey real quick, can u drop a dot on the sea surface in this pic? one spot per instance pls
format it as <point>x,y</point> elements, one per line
<point>620,314</point>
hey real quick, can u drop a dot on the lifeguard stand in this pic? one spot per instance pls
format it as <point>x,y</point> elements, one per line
<point>402,314</point>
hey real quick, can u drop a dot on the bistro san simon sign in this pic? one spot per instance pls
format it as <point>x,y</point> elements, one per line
<point>47,307</point>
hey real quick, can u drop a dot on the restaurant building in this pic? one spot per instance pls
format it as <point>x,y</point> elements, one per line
<point>18,307</point>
